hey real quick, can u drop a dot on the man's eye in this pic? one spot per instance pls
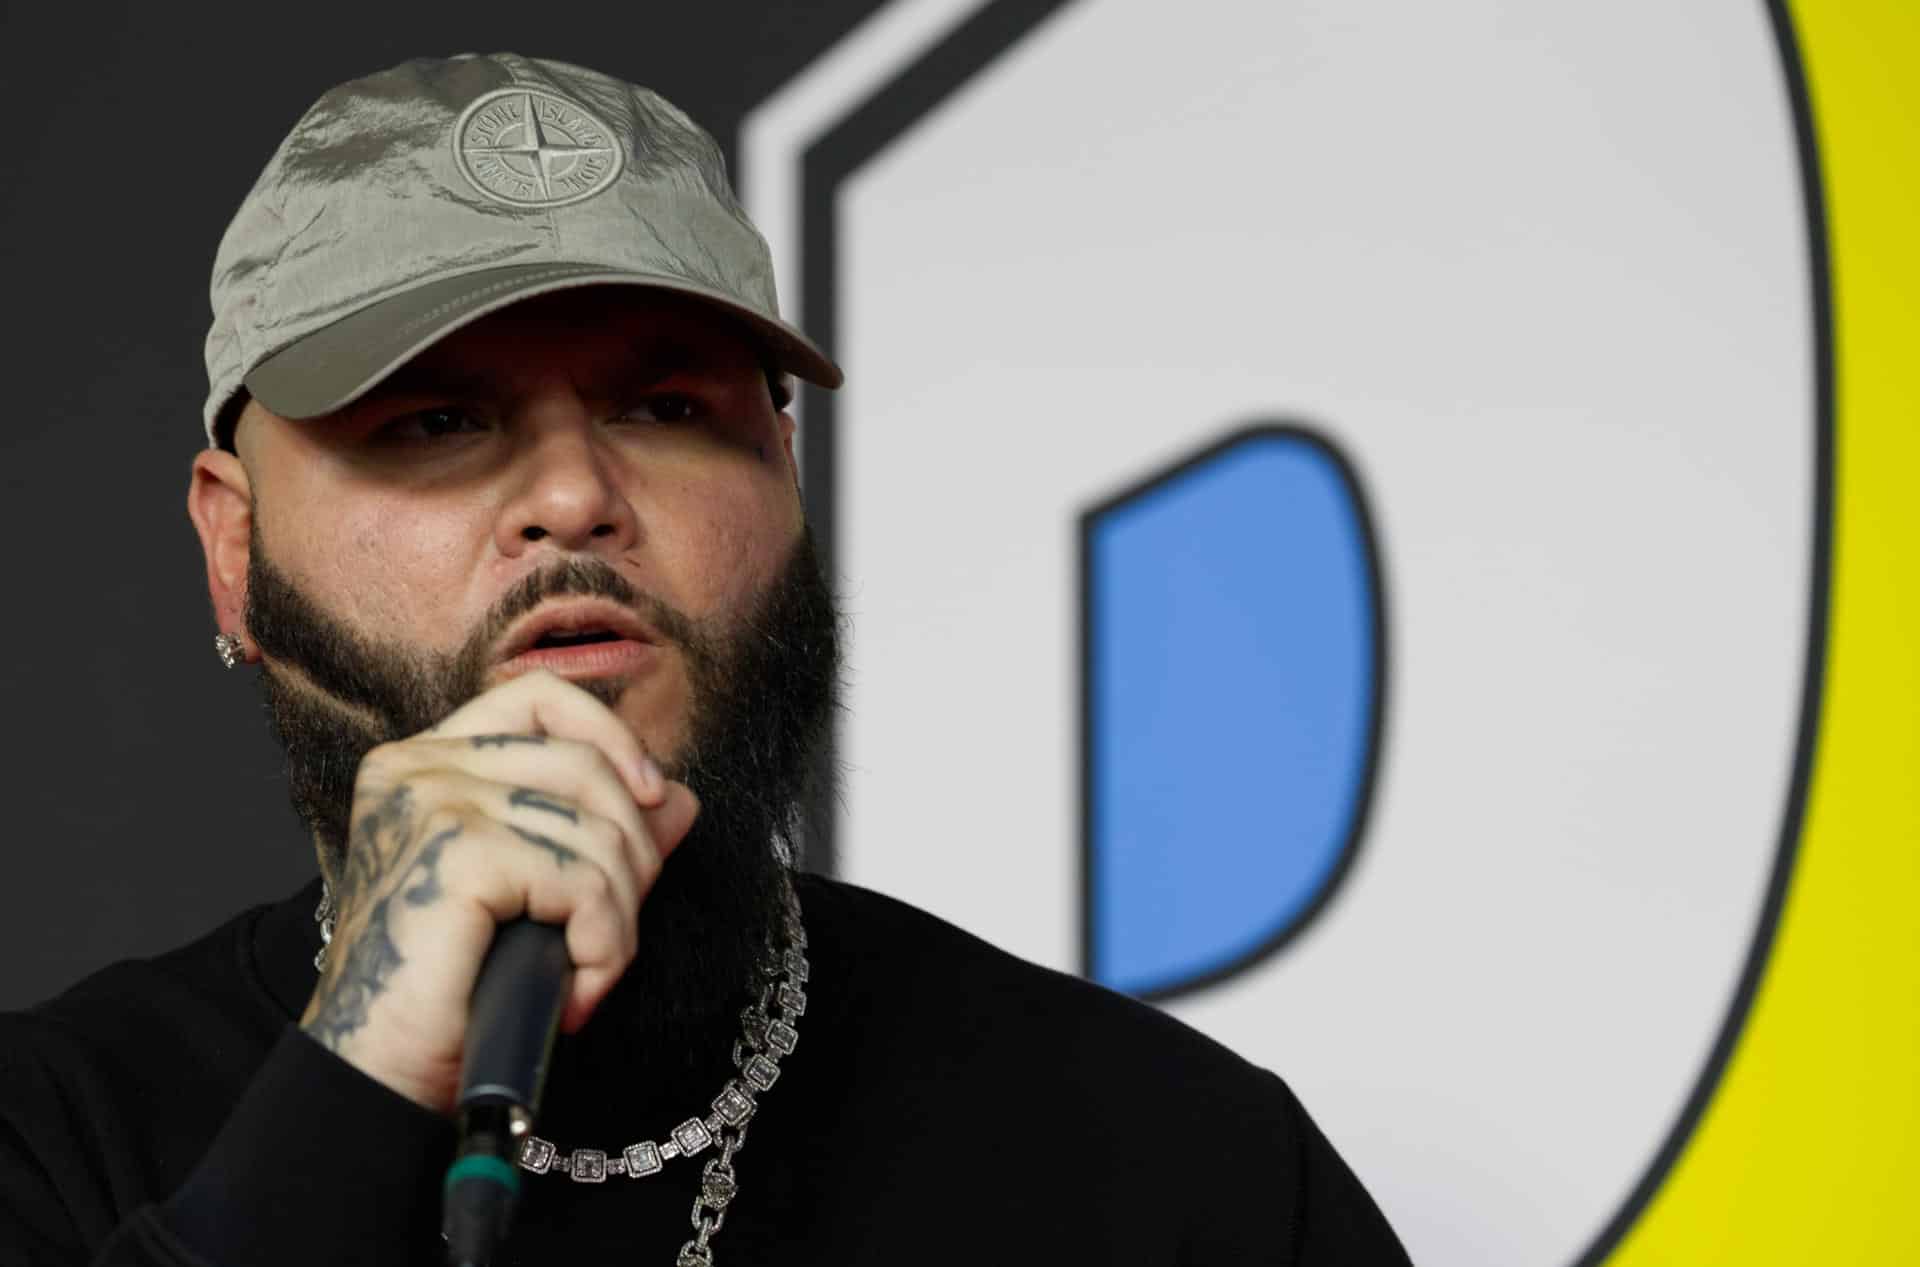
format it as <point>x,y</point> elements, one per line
<point>430,424</point>
<point>664,407</point>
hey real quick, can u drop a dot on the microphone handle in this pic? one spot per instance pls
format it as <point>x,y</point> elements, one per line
<point>517,1001</point>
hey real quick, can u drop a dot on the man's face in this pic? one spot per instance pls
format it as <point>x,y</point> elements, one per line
<point>600,444</point>
<point>607,425</point>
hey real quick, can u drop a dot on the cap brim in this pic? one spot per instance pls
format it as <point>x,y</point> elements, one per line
<point>332,367</point>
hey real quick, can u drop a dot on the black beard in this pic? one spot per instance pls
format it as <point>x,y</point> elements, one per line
<point>763,692</point>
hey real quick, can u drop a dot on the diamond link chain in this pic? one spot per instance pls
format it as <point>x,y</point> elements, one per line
<point>324,915</point>
<point>770,1030</point>
<point>718,1186</point>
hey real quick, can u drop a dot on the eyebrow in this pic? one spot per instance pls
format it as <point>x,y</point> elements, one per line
<point>648,362</point>
<point>414,379</point>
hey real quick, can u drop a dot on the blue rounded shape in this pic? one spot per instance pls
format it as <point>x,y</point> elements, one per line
<point>1232,647</point>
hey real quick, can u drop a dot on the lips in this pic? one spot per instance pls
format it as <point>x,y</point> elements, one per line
<point>575,638</point>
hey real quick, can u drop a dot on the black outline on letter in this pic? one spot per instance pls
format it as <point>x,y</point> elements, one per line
<point>1793,818</point>
<point>888,112</point>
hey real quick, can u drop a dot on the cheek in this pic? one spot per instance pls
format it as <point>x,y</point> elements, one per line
<point>420,569</point>
<point>380,567</point>
<point>731,540</point>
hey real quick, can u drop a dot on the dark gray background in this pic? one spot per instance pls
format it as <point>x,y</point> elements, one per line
<point>144,802</point>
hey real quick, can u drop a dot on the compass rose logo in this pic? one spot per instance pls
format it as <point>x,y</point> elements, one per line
<point>530,148</point>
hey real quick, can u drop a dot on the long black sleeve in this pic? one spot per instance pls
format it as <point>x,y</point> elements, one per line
<point>308,1160</point>
<point>317,1164</point>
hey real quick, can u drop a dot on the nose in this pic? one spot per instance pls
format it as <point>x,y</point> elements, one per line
<point>566,492</point>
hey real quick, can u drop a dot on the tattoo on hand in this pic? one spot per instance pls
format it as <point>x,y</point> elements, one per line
<point>501,741</point>
<point>380,836</point>
<point>348,992</point>
<point>530,799</point>
<point>361,978</point>
<point>561,854</point>
<point>425,872</point>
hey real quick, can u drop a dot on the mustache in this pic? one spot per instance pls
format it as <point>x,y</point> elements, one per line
<point>413,689</point>
<point>578,578</point>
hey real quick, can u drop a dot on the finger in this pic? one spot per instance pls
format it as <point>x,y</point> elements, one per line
<point>641,840</point>
<point>543,820</point>
<point>573,775</point>
<point>667,827</point>
<point>578,774</point>
<point>489,864</point>
<point>669,823</point>
<point>594,978</point>
<point>541,704</point>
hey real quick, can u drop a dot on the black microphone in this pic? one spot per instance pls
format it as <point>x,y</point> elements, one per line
<point>517,1002</point>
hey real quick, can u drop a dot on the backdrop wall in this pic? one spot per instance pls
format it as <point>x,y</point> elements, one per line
<point>1402,502</point>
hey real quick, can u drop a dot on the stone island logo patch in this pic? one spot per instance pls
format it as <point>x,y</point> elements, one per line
<point>527,147</point>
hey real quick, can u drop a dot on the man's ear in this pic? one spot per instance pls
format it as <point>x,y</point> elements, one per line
<point>786,437</point>
<point>220,503</point>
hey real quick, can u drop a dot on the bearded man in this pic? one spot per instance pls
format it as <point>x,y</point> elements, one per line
<point>500,495</point>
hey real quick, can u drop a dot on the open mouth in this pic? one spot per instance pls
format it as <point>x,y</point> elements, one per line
<point>578,639</point>
<point>583,638</point>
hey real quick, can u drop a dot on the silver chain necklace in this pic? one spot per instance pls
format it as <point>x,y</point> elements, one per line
<point>769,1030</point>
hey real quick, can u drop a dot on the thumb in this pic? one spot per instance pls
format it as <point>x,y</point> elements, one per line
<point>669,821</point>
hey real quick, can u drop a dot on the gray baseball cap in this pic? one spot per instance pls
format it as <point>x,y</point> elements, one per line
<point>410,203</point>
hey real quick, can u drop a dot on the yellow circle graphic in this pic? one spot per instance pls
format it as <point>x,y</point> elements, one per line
<point>1809,1150</point>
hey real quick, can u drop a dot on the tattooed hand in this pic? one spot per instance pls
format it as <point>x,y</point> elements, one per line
<point>533,799</point>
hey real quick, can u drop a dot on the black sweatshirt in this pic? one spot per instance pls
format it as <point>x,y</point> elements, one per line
<point>947,1103</point>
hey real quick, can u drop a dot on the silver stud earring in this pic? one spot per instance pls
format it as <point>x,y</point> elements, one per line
<point>228,647</point>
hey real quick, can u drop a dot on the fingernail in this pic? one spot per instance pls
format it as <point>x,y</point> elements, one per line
<point>652,782</point>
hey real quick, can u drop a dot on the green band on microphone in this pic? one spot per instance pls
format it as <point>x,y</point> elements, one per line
<point>483,1166</point>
